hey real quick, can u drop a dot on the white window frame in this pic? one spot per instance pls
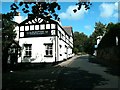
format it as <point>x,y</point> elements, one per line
<point>48,50</point>
<point>28,50</point>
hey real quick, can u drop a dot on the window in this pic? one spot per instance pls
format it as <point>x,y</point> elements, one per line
<point>60,34</point>
<point>36,27</point>
<point>48,50</point>
<point>31,27</point>
<point>21,34</point>
<point>28,50</point>
<point>60,54</point>
<point>42,27</point>
<point>52,26</point>
<point>52,32</point>
<point>26,28</point>
<point>47,26</point>
<point>22,28</point>
<point>60,46</point>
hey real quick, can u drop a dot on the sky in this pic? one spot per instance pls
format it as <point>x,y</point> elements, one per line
<point>83,20</point>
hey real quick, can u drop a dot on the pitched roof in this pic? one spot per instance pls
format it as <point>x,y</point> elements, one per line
<point>68,30</point>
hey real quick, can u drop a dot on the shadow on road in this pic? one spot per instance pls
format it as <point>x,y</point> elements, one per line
<point>54,78</point>
<point>75,79</point>
<point>110,68</point>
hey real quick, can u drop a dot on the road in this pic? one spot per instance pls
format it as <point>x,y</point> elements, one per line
<point>87,75</point>
<point>74,74</point>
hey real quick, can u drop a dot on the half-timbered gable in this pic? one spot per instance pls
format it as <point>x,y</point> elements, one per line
<point>36,26</point>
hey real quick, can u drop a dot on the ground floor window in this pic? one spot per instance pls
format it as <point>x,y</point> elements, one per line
<point>28,50</point>
<point>48,50</point>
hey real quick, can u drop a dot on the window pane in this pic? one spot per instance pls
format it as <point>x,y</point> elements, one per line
<point>47,26</point>
<point>50,46</point>
<point>47,47</point>
<point>21,34</point>
<point>22,28</point>
<point>50,52</point>
<point>52,26</point>
<point>52,32</point>
<point>26,53</point>
<point>26,28</point>
<point>29,53</point>
<point>27,49</point>
<point>46,52</point>
<point>36,27</point>
<point>31,27</point>
<point>42,27</point>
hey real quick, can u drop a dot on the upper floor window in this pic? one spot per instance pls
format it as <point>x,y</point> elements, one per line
<point>52,32</point>
<point>60,34</point>
<point>60,46</point>
<point>31,27</point>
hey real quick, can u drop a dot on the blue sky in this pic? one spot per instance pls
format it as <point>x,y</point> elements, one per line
<point>82,21</point>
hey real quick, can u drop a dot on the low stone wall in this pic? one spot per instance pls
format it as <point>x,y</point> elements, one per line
<point>110,55</point>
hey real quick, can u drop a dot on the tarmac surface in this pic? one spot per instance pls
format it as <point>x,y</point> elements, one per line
<point>76,73</point>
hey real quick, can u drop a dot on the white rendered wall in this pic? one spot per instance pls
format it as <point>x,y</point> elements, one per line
<point>38,48</point>
<point>66,48</point>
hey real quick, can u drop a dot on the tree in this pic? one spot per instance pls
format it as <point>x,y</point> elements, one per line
<point>8,35</point>
<point>100,30</point>
<point>109,39</point>
<point>89,46</point>
<point>79,42</point>
<point>86,3</point>
<point>44,7</point>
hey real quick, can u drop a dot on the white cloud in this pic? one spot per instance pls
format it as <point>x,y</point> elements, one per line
<point>108,10</point>
<point>69,14</point>
<point>19,19</point>
<point>87,27</point>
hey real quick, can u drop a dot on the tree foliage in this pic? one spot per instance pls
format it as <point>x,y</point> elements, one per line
<point>87,5</point>
<point>109,39</point>
<point>79,42</point>
<point>8,35</point>
<point>82,43</point>
<point>44,7</point>
<point>100,30</point>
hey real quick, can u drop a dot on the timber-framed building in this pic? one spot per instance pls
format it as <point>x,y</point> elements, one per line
<point>44,40</point>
